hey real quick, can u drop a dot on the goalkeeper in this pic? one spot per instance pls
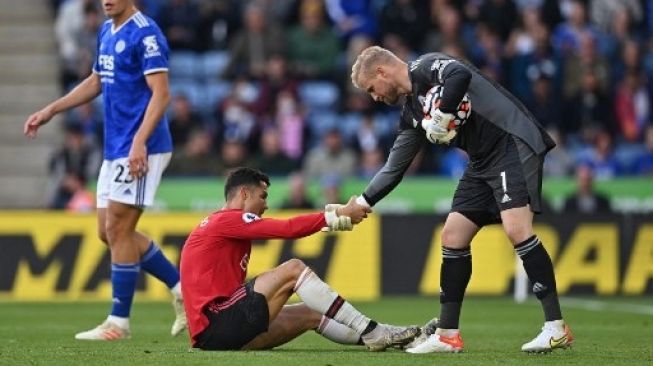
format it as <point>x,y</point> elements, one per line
<point>501,184</point>
<point>225,313</point>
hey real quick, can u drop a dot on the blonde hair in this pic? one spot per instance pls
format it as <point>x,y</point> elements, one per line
<point>370,57</point>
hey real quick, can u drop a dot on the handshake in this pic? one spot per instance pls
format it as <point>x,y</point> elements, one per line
<point>344,217</point>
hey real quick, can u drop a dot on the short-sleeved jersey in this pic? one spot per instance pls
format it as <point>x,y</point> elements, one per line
<point>495,113</point>
<point>124,56</point>
<point>215,256</point>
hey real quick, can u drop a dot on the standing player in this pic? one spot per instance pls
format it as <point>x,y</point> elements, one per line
<point>501,184</point>
<point>225,313</point>
<point>131,73</point>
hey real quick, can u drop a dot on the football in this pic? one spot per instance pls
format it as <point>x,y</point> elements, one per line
<point>432,101</point>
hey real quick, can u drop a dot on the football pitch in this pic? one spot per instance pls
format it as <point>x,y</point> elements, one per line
<point>609,331</point>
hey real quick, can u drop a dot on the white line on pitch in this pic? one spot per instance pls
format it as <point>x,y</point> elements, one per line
<point>598,305</point>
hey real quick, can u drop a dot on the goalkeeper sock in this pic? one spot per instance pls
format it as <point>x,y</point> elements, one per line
<point>539,268</point>
<point>123,282</point>
<point>318,296</point>
<point>455,273</point>
<point>336,332</point>
<point>155,263</point>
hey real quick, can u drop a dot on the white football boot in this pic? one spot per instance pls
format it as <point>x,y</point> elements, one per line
<point>107,331</point>
<point>425,331</point>
<point>181,322</point>
<point>442,341</point>
<point>384,336</point>
<point>554,334</point>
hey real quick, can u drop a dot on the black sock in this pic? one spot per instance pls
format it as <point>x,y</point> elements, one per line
<point>454,276</point>
<point>370,327</point>
<point>539,268</point>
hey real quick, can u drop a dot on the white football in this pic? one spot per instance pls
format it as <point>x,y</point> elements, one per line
<point>432,101</point>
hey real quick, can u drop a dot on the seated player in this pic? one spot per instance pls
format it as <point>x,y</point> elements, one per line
<point>225,313</point>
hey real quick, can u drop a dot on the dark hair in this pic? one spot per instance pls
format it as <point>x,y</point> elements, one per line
<point>244,177</point>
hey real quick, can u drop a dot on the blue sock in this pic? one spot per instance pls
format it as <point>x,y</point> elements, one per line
<point>155,263</point>
<point>123,280</point>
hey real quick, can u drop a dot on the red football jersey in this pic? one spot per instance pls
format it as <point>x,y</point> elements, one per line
<point>215,256</point>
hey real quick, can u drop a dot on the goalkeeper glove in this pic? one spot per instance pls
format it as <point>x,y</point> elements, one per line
<point>335,222</point>
<point>436,127</point>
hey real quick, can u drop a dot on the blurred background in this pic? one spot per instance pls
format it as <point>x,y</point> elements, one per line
<point>265,83</point>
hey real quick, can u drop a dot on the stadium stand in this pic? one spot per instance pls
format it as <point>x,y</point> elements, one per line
<point>29,70</point>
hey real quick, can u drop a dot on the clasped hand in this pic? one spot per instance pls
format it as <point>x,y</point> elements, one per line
<point>344,217</point>
<point>436,127</point>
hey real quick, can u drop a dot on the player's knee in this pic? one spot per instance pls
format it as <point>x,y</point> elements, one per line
<point>452,239</point>
<point>294,267</point>
<point>517,232</point>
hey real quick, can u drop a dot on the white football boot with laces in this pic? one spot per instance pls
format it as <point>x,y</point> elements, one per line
<point>384,336</point>
<point>442,341</point>
<point>180,317</point>
<point>107,331</point>
<point>554,334</point>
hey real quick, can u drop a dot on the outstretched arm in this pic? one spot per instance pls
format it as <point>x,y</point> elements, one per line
<point>86,91</point>
<point>406,146</point>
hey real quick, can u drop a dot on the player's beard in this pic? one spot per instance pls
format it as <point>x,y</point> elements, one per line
<point>393,100</point>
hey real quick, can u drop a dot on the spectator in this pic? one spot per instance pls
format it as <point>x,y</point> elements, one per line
<point>407,19</point>
<point>558,162</point>
<point>197,157</point>
<point>544,105</point>
<point>233,154</point>
<point>76,30</point>
<point>330,158</point>
<point>586,59</point>
<point>331,184</point>
<point>253,45</point>
<point>179,20</point>
<point>297,198</point>
<point>632,106</point>
<point>290,121</point>
<point>371,161</point>
<point>445,28</point>
<point>218,22</point>
<point>236,120</point>
<point>500,16</point>
<point>313,47</point>
<point>81,199</point>
<point>183,120</point>
<point>74,160</point>
<point>270,157</point>
<point>276,80</point>
<point>644,162</point>
<point>602,159</point>
<point>586,200</point>
<point>352,18</point>
<point>589,110</point>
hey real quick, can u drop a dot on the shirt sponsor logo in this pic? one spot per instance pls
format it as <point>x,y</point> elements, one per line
<point>151,47</point>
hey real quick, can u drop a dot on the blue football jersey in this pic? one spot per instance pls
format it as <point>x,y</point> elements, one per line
<point>125,56</point>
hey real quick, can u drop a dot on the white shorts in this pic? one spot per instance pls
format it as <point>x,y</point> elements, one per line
<point>115,183</point>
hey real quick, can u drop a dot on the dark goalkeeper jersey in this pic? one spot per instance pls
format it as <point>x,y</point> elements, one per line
<point>495,113</point>
<point>215,256</point>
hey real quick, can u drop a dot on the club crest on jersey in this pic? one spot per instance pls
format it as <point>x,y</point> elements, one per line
<point>250,217</point>
<point>120,46</point>
<point>151,47</point>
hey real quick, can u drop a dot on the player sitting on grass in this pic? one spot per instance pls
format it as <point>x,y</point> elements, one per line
<point>225,313</point>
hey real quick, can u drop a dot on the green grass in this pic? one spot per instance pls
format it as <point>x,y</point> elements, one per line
<point>493,330</point>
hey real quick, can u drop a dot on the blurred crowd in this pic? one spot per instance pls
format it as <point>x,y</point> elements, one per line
<point>265,83</point>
